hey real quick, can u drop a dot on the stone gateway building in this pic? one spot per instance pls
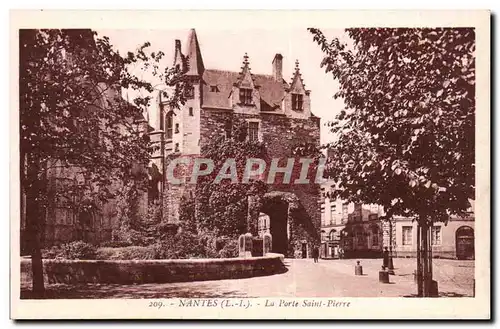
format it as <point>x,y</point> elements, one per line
<point>275,111</point>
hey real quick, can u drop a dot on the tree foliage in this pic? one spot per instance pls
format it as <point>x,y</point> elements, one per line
<point>72,113</point>
<point>75,123</point>
<point>406,134</point>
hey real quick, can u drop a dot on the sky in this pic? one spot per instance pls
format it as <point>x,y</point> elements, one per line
<point>224,50</point>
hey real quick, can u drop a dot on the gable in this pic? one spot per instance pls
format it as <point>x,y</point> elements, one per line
<point>297,85</point>
<point>246,80</point>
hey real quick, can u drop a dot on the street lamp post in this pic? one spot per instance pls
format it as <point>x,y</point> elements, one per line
<point>391,263</point>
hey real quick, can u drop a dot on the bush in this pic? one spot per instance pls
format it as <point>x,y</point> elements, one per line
<point>115,244</point>
<point>127,253</point>
<point>181,245</point>
<point>52,253</point>
<point>230,249</point>
<point>78,250</point>
<point>174,246</point>
<point>125,237</point>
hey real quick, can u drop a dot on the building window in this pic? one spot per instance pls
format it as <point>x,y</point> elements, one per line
<point>176,147</point>
<point>333,210</point>
<point>360,238</point>
<point>375,233</point>
<point>345,215</point>
<point>169,125</point>
<point>214,89</point>
<point>436,235</point>
<point>246,96</point>
<point>189,92</point>
<point>191,113</point>
<point>331,236</point>
<point>253,131</point>
<point>407,235</point>
<point>297,102</point>
<point>176,128</point>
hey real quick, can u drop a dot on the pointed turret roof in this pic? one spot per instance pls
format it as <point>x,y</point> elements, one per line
<point>193,53</point>
<point>297,76</point>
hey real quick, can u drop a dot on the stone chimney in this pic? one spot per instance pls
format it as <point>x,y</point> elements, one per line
<point>178,54</point>
<point>278,67</point>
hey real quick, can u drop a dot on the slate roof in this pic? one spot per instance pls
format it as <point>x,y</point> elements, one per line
<point>271,91</point>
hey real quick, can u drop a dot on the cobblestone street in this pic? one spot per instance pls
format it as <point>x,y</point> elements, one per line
<point>304,278</point>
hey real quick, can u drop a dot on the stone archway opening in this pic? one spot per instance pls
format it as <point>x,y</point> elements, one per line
<point>277,210</point>
<point>289,224</point>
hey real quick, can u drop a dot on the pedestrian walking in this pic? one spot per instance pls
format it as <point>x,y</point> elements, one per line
<point>315,254</point>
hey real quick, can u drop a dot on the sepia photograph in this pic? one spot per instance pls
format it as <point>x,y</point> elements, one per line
<point>301,167</point>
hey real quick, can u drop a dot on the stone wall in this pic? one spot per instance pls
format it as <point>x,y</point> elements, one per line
<point>153,271</point>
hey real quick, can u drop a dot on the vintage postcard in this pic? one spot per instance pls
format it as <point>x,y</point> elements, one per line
<point>250,164</point>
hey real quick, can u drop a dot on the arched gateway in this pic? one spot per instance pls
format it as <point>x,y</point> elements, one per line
<point>290,225</point>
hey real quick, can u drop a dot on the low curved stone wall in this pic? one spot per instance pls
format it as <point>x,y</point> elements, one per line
<point>154,271</point>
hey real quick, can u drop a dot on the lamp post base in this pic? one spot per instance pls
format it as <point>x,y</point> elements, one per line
<point>391,266</point>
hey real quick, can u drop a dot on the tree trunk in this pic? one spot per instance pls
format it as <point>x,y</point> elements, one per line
<point>35,227</point>
<point>30,163</point>
<point>425,251</point>
<point>419,262</point>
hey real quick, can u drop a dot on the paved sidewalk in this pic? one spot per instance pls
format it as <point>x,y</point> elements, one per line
<point>455,278</point>
<point>304,278</point>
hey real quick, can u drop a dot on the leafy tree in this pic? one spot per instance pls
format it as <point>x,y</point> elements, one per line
<point>406,135</point>
<point>73,117</point>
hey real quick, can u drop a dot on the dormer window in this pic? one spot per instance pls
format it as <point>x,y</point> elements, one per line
<point>214,89</point>
<point>297,102</point>
<point>246,96</point>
